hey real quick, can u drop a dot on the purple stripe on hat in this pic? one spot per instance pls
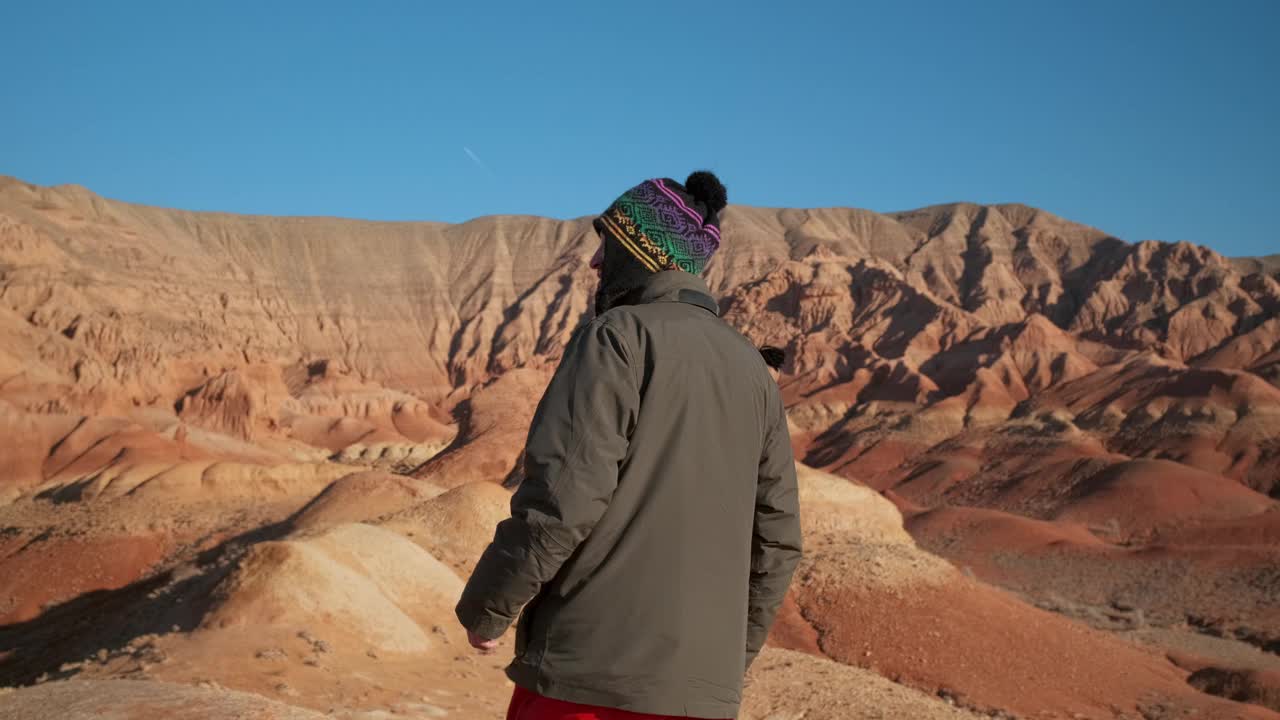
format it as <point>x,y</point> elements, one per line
<point>692,213</point>
<point>707,227</point>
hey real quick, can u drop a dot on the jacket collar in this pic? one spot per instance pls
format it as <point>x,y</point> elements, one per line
<point>673,286</point>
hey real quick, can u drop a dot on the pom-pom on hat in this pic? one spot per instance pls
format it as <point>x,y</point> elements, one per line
<point>665,225</point>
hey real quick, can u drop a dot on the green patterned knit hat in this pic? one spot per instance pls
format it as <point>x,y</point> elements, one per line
<point>668,226</point>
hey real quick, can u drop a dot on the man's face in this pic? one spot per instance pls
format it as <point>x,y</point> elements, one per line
<point>597,260</point>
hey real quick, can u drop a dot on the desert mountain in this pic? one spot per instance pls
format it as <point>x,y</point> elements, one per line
<point>216,420</point>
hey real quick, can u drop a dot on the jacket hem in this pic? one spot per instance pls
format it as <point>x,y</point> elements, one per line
<point>530,678</point>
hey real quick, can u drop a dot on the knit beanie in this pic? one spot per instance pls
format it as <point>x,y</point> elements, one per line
<point>655,226</point>
<point>664,225</point>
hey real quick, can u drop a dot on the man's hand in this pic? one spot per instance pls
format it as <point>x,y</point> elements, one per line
<point>484,646</point>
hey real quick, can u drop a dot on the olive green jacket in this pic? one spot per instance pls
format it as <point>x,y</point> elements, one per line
<point>657,527</point>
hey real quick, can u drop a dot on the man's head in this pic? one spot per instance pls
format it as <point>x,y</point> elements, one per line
<point>774,357</point>
<point>657,225</point>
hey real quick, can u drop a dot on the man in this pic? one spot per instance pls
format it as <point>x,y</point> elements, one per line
<point>657,528</point>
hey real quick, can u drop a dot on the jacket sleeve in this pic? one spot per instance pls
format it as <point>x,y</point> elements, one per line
<point>578,438</point>
<point>775,541</point>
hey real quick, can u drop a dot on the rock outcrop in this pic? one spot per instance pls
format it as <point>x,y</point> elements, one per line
<point>252,424</point>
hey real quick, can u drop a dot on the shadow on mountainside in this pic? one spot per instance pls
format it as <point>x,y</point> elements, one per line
<point>173,600</point>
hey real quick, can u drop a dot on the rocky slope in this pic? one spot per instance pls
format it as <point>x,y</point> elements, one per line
<point>193,405</point>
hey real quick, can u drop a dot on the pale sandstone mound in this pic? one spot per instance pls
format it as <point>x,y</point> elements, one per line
<point>127,521</point>
<point>361,497</point>
<point>396,457</point>
<point>92,457</point>
<point>168,484</point>
<point>833,506</point>
<point>455,526</point>
<point>787,685</point>
<point>141,700</point>
<point>363,582</point>
<point>852,532</point>
<point>850,529</point>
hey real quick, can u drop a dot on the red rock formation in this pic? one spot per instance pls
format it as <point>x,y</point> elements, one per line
<point>1047,402</point>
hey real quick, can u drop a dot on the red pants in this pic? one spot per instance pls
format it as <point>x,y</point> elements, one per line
<point>529,705</point>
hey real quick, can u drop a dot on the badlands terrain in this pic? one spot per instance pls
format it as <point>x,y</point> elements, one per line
<point>247,462</point>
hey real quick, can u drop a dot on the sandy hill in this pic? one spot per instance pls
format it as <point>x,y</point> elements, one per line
<point>325,612</point>
<point>210,421</point>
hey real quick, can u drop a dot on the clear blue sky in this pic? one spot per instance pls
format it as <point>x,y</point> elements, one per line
<point>1146,119</point>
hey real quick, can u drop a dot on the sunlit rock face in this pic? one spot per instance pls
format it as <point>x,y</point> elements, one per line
<point>243,455</point>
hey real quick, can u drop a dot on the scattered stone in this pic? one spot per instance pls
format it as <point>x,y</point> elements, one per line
<point>429,710</point>
<point>286,689</point>
<point>316,643</point>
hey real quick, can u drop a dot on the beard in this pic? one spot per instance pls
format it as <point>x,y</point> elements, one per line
<point>606,298</point>
<point>620,287</point>
<point>620,274</point>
